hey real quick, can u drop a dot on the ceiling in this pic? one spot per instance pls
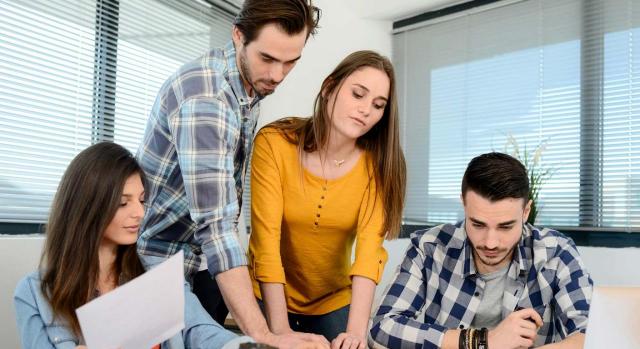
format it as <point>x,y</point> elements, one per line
<point>398,9</point>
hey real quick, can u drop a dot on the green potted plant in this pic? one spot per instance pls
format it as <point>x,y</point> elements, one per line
<point>538,174</point>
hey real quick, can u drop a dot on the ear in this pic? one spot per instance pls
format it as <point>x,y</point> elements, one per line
<point>527,210</point>
<point>237,37</point>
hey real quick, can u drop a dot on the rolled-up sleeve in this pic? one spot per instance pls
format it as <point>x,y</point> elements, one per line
<point>370,255</point>
<point>266,214</point>
<point>203,133</point>
<point>396,323</point>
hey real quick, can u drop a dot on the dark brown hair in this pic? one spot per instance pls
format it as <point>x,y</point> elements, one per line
<point>382,142</point>
<point>292,16</point>
<point>87,199</point>
<point>496,176</point>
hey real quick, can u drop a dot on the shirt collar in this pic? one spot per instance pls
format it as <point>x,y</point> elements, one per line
<point>235,79</point>
<point>522,256</point>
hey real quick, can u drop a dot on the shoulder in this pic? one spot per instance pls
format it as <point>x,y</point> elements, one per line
<point>275,137</point>
<point>444,237</point>
<point>202,78</point>
<point>28,286</point>
<point>549,244</point>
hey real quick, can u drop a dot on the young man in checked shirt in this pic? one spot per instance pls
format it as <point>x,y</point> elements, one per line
<point>490,281</point>
<point>195,149</point>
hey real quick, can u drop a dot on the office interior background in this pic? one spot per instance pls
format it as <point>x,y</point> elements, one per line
<point>558,76</point>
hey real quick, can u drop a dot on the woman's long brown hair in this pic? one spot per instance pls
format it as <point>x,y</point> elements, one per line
<point>382,142</point>
<point>87,199</point>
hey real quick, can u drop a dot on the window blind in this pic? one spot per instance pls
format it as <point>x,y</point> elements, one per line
<point>73,73</point>
<point>558,73</point>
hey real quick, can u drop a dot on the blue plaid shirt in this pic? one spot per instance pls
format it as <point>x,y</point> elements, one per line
<point>194,152</point>
<point>438,276</point>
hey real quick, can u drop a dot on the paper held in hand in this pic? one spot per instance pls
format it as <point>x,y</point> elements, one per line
<point>140,314</point>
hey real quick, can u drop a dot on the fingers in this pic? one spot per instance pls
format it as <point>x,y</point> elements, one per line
<point>529,313</point>
<point>348,341</point>
<point>313,337</point>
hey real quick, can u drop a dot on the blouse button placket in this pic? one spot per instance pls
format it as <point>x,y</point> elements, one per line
<point>319,208</point>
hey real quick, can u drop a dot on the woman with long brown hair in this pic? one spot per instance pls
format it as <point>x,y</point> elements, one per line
<point>319,184</point>
<point>90,250</point>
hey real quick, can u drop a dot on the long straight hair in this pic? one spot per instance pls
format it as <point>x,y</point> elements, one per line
<point>87,199</point>
<point>382,142</point>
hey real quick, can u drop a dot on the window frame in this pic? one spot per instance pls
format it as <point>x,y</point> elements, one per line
<point>104,77</point>
<point>591,122</point>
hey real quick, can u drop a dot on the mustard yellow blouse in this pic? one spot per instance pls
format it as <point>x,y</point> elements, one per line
<point>303,227</point>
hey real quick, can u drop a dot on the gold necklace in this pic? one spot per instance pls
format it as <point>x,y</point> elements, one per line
<point>338,163</point>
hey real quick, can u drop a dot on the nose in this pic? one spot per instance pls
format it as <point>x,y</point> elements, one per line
<point>492,241</point>
<point>364,108</point>
<point>277,72</point>
<point>138,210</point>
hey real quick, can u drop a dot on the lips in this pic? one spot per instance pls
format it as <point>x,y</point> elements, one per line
<point>132,228</point>
<point>490,254</point>
<point>358,121</point>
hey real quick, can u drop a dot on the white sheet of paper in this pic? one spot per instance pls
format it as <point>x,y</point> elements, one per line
<point>140,314</point>
<point>613,318</point>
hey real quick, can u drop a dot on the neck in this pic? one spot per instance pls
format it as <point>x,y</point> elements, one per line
<point>107,254</point>
<point>245,82</point>
<point>339,147</point>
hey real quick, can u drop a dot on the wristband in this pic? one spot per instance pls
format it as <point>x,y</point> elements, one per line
<point>482,338</point>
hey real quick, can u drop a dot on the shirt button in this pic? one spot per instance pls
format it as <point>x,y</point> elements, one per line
<point>322,197</point>
<point>318,215</point>
<point>319,206</point>
<point>461,326</point>
<point>477,294</point>
<point>316,223</point>
<point>324,188</point>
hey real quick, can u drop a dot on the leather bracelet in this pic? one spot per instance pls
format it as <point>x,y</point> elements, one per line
<point>462,340</point>
<point>482,338</point>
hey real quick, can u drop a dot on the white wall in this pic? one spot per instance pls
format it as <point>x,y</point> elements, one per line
<point>19,255</point>
<point>342,32</point>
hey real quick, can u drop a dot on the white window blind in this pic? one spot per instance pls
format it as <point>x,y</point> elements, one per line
<point>559,72</point>
<point>46,99</point>
<point>73,73</point>
<point>154,40</point>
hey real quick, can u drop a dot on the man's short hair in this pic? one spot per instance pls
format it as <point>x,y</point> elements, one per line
<point>292,16</point>
<point>496,176</point>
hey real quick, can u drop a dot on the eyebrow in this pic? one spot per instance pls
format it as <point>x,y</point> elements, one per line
<point>266,55</point>
<point>366,89</point>
<point>503,224</point>
<point>130,195</point>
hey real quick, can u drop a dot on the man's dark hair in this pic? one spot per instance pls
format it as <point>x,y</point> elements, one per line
<point>292,16</point>
<point>496,176</point>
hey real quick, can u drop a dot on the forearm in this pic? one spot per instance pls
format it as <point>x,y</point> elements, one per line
<point>451,339</point>
<point>275,305</point>
<point>574,341</point>
<point>362,291</point>
<point>237,292</point>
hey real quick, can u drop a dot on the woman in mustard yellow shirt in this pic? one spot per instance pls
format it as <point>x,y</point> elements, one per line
<point>319,184</point>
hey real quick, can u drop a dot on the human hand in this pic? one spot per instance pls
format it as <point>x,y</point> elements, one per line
<point>518,330</point>
<point>297,340</point>
<point>347,340</point>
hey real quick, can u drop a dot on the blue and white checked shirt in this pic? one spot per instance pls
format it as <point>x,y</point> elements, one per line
<point>438,276</point>
<point>194,152</point>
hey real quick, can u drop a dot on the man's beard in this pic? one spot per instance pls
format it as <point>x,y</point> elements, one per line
<point>491,263</point>
<point>248,76</point>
